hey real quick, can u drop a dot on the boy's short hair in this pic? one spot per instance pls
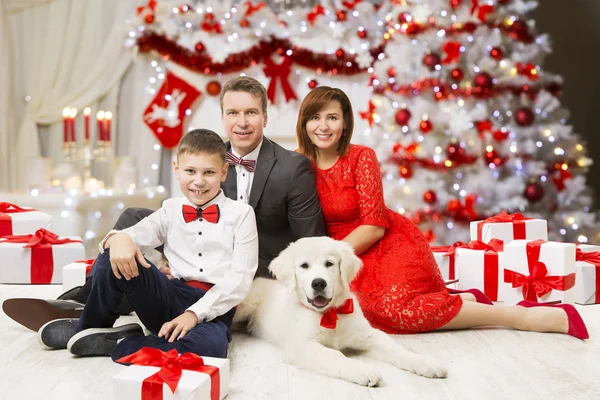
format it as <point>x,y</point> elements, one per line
<point>248,85</point>
<point>202,141</point>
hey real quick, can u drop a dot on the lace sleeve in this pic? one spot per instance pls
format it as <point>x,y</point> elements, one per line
<point>370,189</point>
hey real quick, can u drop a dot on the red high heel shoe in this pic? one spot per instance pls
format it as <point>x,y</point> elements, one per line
<point>576,325</point>
<point>480,297</point>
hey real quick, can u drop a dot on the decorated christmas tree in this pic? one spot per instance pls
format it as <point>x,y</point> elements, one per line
<point>467,123</point>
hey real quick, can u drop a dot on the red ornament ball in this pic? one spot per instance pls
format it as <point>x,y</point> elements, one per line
<point>405,171</point>
<point>457,74</point>
<point>503,1</point>
<point>453,206</point>
<point>500,135</point>
<point>313,84</point>
<point>455,3</point>
<point>339,53</point>
<point>425,126</point>
<point>362,34</point>
<point>199,47</point>
<point>429,197</point>
<point>431,60</point>
<point>519,30</point>
<point>391,71</point>
<point>483,80</point>
<point>524,116</point>
<point>404,17</point>
<point>429,235</point>
<point>149,18</point>
<point>213,88</point>
<point>341,15</point>
<point>402,116</point>
<point>455,152</point>
<point>497,53</point>
<point>244,23</point>
<point>534,192</point>
<point>492,157</point>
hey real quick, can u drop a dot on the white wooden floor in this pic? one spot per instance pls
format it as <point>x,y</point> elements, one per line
<point>482,364</point>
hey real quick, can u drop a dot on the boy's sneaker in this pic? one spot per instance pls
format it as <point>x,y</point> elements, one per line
<point>101,341</point>
<point>55,334</point>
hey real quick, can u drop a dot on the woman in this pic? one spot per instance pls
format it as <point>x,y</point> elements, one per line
<point>400,288</point>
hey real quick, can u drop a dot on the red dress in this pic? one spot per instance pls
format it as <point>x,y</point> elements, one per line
<point>400,288</point>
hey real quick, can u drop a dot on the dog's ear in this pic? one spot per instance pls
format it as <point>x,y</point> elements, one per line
<point>350,264</point>
<point>282,267</point>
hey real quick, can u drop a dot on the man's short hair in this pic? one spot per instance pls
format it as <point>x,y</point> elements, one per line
<point>202,141</point>
<point>248,85</point>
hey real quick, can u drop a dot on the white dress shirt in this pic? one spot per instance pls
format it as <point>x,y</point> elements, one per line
<point>224,254</point>
<point>245,177</point>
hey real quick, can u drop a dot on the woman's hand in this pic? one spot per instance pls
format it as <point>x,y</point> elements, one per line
<point>178,327</point>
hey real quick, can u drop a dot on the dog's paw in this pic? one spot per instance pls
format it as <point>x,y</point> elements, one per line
<point>430,368</point>
<point>363,375</point>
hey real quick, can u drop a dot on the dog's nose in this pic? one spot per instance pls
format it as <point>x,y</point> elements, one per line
<point>318,284</point>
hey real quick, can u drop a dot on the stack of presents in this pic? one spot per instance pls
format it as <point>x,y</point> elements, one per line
<point>510,259</point>
<point>32,254</point>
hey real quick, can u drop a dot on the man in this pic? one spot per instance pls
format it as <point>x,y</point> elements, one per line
<point>278,183</point>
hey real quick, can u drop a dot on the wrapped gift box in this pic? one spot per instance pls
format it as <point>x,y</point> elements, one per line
<point>539,271</point>
<point>479,267</point>
<point>15,220</point>
<point>74,274</point>
<point>588,248</point>
<point>507,227</point>
<point>133,382</point>
<point>445,258</point>
<point>38,258</point>
<point>587,274</point>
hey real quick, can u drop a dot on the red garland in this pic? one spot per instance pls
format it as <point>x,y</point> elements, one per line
<point>202,63</point>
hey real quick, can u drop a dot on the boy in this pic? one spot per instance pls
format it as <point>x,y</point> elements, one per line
<point>211,242</point>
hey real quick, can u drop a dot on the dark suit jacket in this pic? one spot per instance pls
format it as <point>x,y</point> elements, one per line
<point>284,198</point>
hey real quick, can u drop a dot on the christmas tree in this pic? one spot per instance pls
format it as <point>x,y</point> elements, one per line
<point>466,122</point>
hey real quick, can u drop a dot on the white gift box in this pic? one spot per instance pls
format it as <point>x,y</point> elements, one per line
<point>534,229</point>
<point>475,270</point>
<point>23,223</point>
<point>559,260</point>
<point>127,384</point>
<point>586,284</point>
<point>74,274</point>
<point>443,263</point>
<point>16,266</point>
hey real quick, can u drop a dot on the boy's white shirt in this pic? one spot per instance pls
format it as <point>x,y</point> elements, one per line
<point>229,250</point>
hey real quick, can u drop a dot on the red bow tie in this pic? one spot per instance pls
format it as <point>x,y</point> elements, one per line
<point>211,213</point>
<point>330,317</point>
<point>248,164</point>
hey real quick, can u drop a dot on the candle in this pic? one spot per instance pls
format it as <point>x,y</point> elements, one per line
<point>86,123</point>
<point>100,121</point>
<point>66,114</point>
<point>107,120</point>
<point>73,115</point>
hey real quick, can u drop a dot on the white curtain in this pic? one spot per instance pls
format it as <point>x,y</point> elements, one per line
<point>65,53</point>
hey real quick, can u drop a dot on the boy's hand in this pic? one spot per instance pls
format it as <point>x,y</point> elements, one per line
<point>178,327</point>
<point>123,256</point>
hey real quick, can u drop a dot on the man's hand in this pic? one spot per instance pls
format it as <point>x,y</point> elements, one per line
<point>123,256</point>
<point>178,327</point>
<point>165,269</point>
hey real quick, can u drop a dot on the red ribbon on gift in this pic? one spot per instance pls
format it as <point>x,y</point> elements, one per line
<point>450,251</point>
<point>594,259</point>
<point>490,265</point>
<point>279,72</point>
<point>88,264</point>
<point>6,220</point>
<point>517,220</point>
<point>538,283</point>
<point>42,259</point>
<point>171,366</point>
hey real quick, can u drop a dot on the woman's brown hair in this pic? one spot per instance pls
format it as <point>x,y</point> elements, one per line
<point>312,104</point>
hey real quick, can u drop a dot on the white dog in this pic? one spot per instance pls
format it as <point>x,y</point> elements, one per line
<point>296,312</point>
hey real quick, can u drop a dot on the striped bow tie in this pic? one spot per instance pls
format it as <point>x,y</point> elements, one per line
<point>248,164</point>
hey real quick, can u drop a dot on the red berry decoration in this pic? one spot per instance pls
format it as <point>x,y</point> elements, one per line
<point>402,116</point>
<point>362,34</point>
<point>497,53</point>
<point>500,135</point>
<point>339,53</point>
<point>524,116</point>
<point>341,15</point>
<point>213,88</point>
<point>405,171</point>
<point>457,74</point>
<point>199,47</point>
<point>391,71</point>
<point>149,18</point>
<point>429,197</point>
<point>313,84</point>
<point>534,192</point>
<point>425,126</point>
<point>431,60</point>
<point>483,81</point>
<point>453,206</point>
<point>244,23</point>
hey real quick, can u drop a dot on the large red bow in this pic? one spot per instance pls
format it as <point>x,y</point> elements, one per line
<point>6,220</point>
<point>517,220</point>
<point>452,50</point>
<point>538,283</point>
<point>42,259</point>
<point>314,13</point>
<point>251,9</point>
<point>171,366</point>
<point>210,213</point>
<point>594,259</point>
<point>330,317</point>
<point>281,72</point>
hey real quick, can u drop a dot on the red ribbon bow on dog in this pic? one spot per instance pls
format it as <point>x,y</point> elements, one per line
<point>171,366</point>
<point>330,317</point>
<point>210,213</point>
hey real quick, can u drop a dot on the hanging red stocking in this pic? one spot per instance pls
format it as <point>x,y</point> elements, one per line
<point>166,112</point>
